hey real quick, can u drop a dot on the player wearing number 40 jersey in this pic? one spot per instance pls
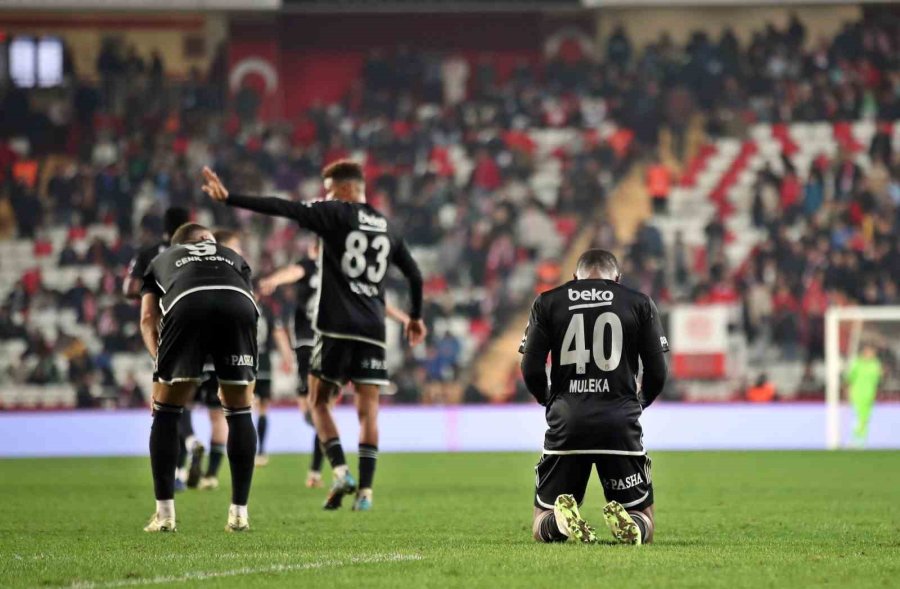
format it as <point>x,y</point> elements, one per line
<point>357,244</point>
<point>595,331</point>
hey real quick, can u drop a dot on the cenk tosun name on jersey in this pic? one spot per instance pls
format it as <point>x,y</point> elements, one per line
<point>188,259</point>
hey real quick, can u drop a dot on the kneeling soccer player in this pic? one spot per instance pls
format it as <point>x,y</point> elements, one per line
<point>595,330</point>
<point>197,301</point>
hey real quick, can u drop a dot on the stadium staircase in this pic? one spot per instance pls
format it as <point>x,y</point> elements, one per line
<point>719,180</point>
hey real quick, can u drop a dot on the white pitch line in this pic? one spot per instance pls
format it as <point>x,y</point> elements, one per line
<point>275,568</point>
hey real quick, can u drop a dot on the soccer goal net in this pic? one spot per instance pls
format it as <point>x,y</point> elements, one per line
<point>851,333</point>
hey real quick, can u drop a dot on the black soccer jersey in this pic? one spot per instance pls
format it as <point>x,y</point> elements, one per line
<point>594,331</point>
<point>356,247</point>
<point>195,267</point>
<point>305,311</point>
<point>141,260</point>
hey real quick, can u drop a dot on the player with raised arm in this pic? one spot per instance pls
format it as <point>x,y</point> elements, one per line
<point>357,244</point>
<point>304,276</point>
<point>197,302</point>
<point>595,331</point>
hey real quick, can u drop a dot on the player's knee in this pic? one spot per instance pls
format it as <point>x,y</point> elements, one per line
<point>536,530</point>
<point>236,395</point>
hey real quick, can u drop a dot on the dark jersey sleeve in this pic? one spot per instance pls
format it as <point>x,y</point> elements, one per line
<point>403,259</point>
<point>537,338</point>
<point>534,349</point>
<point>651,339</point>
<point>652,345</point>
<point>319,216</point>
<point>141,261</point>
<point>150,284</point>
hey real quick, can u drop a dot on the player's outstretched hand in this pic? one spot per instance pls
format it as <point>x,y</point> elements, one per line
<point>213,186</point>
<point>415,332</point>
<point>267,286</point>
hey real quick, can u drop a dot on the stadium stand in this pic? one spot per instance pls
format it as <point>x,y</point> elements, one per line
<point>791,179</point>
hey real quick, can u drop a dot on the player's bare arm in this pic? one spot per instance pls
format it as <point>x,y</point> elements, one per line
<point>150,315</point>
<point>415,332</point>
<point>286,275</point>
<point>283,343</point>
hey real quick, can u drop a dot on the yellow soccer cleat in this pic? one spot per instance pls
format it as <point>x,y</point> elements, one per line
<point>160,524</point>
<point>236,522</point>
<point>621,524</point>
<point>568,518</point>
<point>208,484</point>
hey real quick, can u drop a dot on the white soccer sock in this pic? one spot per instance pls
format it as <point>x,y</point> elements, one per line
<point>367,493</point>
<point>190,442</point>
<point>238,510</point>
<point>165,508</point>
<point>341,471</point>
<point>181,474</point>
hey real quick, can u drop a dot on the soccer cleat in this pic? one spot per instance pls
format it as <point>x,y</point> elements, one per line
<point>208,484</point>
<point>196,469</point>
<point>261,460</point>
<point>362,503</point>
<point>179,485</point>
<point>568,517</point>
<point>621,524</point>
<point>314,480</point>
<point>237,523</point>
<point>160,524</point>
<point>341,486</point>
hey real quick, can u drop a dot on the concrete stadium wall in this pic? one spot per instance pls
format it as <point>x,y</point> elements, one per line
<point>667,426</point>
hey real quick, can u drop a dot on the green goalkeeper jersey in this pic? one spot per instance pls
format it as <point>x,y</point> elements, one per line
<point>864,376</point>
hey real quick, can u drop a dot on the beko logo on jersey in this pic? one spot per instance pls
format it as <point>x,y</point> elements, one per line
<point>623,484</point>
<point>368,221</point>
<point>591,295</point>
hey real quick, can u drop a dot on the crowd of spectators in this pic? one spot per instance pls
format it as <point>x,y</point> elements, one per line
<point>461,188</point>
<point>452,160</point>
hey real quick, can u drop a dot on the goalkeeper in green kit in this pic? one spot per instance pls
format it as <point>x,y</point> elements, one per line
<point>863,379</point>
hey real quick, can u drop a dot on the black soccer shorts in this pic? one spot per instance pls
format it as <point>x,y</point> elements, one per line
<point>340,360</point>
<point>220,324</point>
<point>625,479</point>
<point>303,358</point>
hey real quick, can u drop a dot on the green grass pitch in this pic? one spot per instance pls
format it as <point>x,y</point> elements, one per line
<point>790,519</point>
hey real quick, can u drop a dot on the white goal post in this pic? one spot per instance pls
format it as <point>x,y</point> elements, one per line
<point>834,361</point>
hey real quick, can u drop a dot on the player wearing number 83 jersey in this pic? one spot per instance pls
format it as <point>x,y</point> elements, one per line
<point>358,246</point>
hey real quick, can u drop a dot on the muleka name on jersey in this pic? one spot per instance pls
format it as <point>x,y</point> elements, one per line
<point>589,385</point>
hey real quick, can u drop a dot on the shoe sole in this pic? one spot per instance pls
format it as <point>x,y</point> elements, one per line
<point>621,525</point>
<point>336,498</point>
<point>579,529</point>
